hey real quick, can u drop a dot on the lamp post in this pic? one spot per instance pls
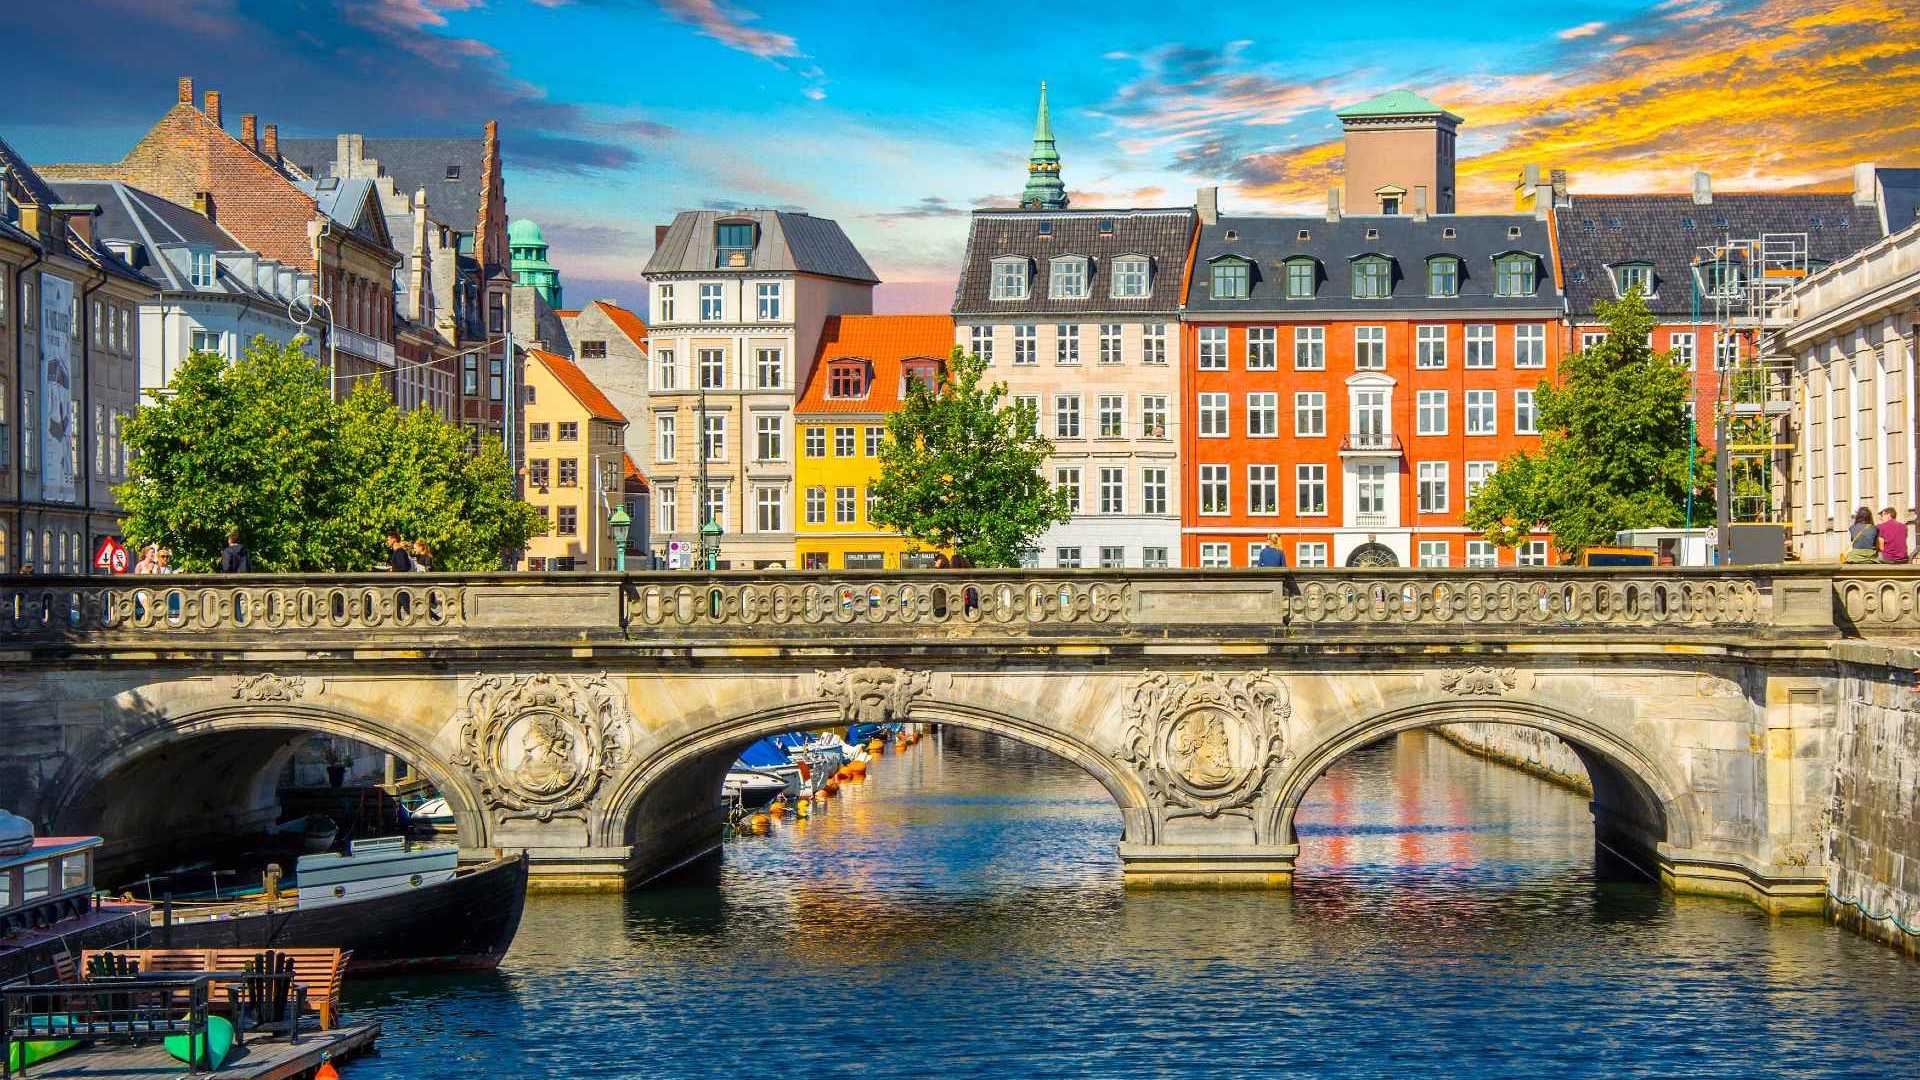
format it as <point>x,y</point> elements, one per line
<point>301,310</point>
<point>618,523</point>
<point>710,544</point>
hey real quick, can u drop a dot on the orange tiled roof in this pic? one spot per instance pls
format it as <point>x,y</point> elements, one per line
<point>581,387</point>
<point>631,472</point>
<point>882,340</point>
<point>627,321</point>
<point>567,313</point>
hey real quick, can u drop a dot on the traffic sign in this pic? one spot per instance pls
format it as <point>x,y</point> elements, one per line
<point>110,555</point>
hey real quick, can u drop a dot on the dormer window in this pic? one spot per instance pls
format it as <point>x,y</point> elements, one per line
<point>1443,276</point>
<point>202,268</point>
<point>1130,277</point>
<point>1391,196</point>
<point>1010,278</point>
<point>1068,280</point>
<point>919,371</point>
<point>1515,274</point>
<point>1303,277</point>
<point>847,379</point>
<point>1720,279</point>
<point>1372,277</point>
<point>1232,278</point>
<point>733,244</point>
<point>1633,275</point>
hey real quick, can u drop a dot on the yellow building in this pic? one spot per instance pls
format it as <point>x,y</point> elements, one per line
<point>858,380</point>
<point>576,465</point>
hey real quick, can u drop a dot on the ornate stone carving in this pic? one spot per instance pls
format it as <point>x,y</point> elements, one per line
<point>873,695</point>
<point>1480,681</point>
<point>540,745</point>
<point>1205,743</point>
<point>270,687</point>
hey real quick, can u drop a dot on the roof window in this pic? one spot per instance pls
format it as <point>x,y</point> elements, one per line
<point>1106,226</point>
<point>1513,232</point>
<point>453,172</point>
<point>733,243</point>
<point>1449,233</point>
<point>847,379</point>
<point>1687,223</point>
<point>1046,228</point>
<point>1586,224</point>
<point>1613,223</point>
<point>1373,234</point>
<point>1232,235</point>
<point>1303,235</point>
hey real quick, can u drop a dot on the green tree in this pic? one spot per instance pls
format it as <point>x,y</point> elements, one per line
<point>259,445</point>
<point>1614,446</point>
<point>960,469</point>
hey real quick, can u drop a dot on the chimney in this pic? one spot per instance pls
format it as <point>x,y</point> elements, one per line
<point>1702,189</point>
<point>1527,188</point>
<point>660,234</point>
<point>213,108</point>
<point>186,91</point>
<point>203,204</point>
<point>1420,202</point>
<point>1207,202</point>
<point>249,131</point>
<point>1333,204</point>
<point>1541,208</point>
<point>1559,180</point>
<point>1864,185</point>
<point>357,146</point>
<point>342,157</point>
<point>272,147</point>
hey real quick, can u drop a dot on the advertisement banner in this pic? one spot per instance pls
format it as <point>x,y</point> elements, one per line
<point>57,437</point>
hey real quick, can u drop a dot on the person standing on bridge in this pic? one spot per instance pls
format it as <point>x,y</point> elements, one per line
<point>398,558</point>
<point>233,558</point>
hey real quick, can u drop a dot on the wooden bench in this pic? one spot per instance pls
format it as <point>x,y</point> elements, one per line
<point>320,971</point>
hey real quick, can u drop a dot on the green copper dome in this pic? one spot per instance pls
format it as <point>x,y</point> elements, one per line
<point>530,265</point>
<point>525,233</point>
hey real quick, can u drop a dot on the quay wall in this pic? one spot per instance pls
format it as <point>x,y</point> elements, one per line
<point>1873,825</point>
<point>1531,750</point>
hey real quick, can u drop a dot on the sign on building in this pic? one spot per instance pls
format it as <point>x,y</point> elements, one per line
<point>59,442</point>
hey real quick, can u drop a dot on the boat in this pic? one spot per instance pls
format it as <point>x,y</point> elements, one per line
<point>317,832</point>
<point>755,788</point>
<point>48,910</point>
<point>398,906</point>
<point>434,815</point>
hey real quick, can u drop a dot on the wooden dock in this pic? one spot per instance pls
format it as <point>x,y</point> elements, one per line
<point>262,1058</point>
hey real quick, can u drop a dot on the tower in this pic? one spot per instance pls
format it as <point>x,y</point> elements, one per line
<point>1044,188</point>
<point>1399,155</point>
<point>530,265</point>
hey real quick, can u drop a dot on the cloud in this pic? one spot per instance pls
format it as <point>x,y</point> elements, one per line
<point>1583,30</point>
<point>933,206</point>
<point>731,27</point>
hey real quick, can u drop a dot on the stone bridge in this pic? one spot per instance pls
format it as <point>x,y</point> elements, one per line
<point>590,718</point>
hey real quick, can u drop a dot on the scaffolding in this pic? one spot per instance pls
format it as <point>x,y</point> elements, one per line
<point>1748,284</point>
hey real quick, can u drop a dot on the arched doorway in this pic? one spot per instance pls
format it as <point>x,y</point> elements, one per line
<point>1371,554</point>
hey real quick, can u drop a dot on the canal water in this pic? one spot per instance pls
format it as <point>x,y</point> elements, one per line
<point>961,915</point>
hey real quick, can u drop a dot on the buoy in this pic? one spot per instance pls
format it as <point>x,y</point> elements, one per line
<point>326,1071</point>
<point>803,808</point>
<point>761,821</point>
<point>858,768</point>
<point>777,807</point>
<point>832,788</point>
<point>876,746</point>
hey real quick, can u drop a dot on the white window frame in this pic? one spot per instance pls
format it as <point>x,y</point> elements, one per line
<point>1153,489</point>
<point>1067,277</point>
<point>1432,487</point>
<point>1309,348</point>
<point>1213,349</point>
<point>1482,346</point>
<point>983,343</point>
<point>1131,277</point>
<point>1263,489</point>
<point>1026,344</point>
<point>1310,489</point>
<point>666,437</point>
<point>767,296</point>
<point>770,432</point>
<point>1066,344</point>
<point>1309,413</point>
<point>1310,553</point>
<point>1216,555</point>
<point>1011,278</point>
<point>1435,553</point>
<point>1483,412</point>
<point>1216,480</point>
<point>1482,553</point>
<point>1369,348</point>
<point>1112,344</point>
<point>1215,412</point>
<point>1067,478</point>
<point>1430,412</point>
<point>713,304</point>
<point>1153,343</point>
<point>1526,416</point>
<point>1153,408</point>
<point>1113,489</point>
<point>1530,345</point>
<point>1066,416</point>
<point>1263,349</point>
<point>1430,346</point>
<point>1263,414</point>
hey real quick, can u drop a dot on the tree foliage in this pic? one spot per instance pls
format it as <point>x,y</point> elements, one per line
<point>1614,446</point>
<point>960,469</point>
<point>259,445</point>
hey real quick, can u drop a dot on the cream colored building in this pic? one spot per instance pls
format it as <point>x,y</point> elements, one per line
<point>737,300</point>
<point>1856,402</point>
<point>576,465</point>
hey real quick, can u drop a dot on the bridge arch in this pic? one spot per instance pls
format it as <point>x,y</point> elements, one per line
<point>1638,795</point>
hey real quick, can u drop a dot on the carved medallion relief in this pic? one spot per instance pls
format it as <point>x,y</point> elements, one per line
<point>540,745</point>
<point>1205,743</point>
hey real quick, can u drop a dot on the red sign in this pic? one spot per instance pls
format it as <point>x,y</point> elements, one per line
<point>111,555</point>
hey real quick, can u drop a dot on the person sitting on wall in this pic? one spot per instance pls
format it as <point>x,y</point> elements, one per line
<point>1893,538</point>
<point>1270,555</point>
<point>1863,540</point>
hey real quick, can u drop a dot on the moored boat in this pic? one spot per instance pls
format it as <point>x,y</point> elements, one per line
<point>48,909</point>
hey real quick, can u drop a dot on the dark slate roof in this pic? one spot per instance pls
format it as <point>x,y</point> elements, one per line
<point>1270,241</point>
<point>24,175</point>
<point>1900,195</point>
<point>130,214</point>
<point>33,187</point>
<point>1164,236</point>
<point>1599,231</point>
<point>413,164</point>
<point>786,240</point>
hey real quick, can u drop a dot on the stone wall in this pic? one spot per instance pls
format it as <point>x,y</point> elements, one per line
<point>1529,749</point>
<point>1873,843</point>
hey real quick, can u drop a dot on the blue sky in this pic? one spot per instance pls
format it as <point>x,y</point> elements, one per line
<point>899,119</point>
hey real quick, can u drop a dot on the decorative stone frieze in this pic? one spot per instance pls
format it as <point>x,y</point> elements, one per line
<point>1205,743</point>
<point>873,695</point>
<point>1479,681</point>
<point>541,745</point>
<point>268,687</point>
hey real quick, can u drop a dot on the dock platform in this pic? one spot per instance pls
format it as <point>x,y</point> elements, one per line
<point>263,1058</point>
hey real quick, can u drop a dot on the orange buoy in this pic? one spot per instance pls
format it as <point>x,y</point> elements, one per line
<point>326,1071</point>
<point>761,821</point>
<point>858,768</point>
<point>777,807</point>
<point>803,808</point>
<point>876,746</point>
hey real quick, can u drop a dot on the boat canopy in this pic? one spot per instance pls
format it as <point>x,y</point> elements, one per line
<point>763,754</point>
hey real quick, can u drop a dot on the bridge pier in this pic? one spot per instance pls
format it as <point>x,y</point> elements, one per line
<point>1207,866</point>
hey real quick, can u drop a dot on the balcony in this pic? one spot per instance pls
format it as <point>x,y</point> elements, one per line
<point>1370,444</point>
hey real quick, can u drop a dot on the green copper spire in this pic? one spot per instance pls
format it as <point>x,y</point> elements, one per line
<point>1044,188</point>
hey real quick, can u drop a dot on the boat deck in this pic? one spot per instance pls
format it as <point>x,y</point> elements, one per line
<point>263,1058</point>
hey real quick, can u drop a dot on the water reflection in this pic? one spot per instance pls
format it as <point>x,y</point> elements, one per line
<point>961,912</point>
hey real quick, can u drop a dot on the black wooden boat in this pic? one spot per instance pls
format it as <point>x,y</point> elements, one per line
<point>463,921</point>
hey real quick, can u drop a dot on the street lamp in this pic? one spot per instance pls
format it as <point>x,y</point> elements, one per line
<point>301,310</point>
<point>618,523</point>
<point>710,544</point>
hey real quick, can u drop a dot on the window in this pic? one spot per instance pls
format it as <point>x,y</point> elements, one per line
<point>1434,553</point>
<point>1067,478</point>
<point>1590,338</point>
<point>1370,348</point>
<point>768,438</point>
<point>1066,416</point>
<point>1370,491</point>
<point>1480,412</point>
<point>1482,553</point>
<point>1525,422</point>
<point>1263,415</point>
<point>1530,345</point>
<point>1480,345</point>
<point>983,343</point>
<point>1630,276</point>
<point>1478,473</point>
<point>1262,348</point>
<point>1153,343</point>
<point>716,437</point>
<point>1153,490</point>
<point>1372,278</point>
<point>1433,487</point>
<point>1066,344</point>
<point>1213,489</point>
<point>666,303</point>
<point>1153,416</point>
<point>538,473</point>
<point>843,442</point>
<point>1129,278</point>
<point>1310,553</point>
<point>1310,413</point>
<point>1309,348</point>
<point>1513,275</point>
<point>771,368</point>
<point>1443,276</point>
<point>1113,490</point>
<point>207,341</point>
<point>1430,413</point>
<point>1030,404</point>
<point>1532,553</point>
<point>1213,416</point>
<point>1310,489</point>
<point>1113,558</point>
<point>1369,412</point>
<point>1263,489</point>
<point>733,243</point>
<point>815,442</point>
<point>1216,555</point>
<point>1302,276</point>
<point>710,307</point>
<point>665,427</point>
<point>844,506</point>
<point>1230,279</point>
<point>847,379</point>
<point>1213,348</point>
<point>874,434</point>
<point>201,270</point>
<point>593,349</point>
<point>665,375</point>
<point>1009,279</point>
<point>1066,558</point>
<point>768,509</point>
<point>569,470</point>
<point>1430,346</point>
<point>1069,278</point>
<point>767,306</point>
<point>716,507</point>
<point>1112,412</point>
<point>713,369</point>
<point>1726,351</point>
<point>1026,343</point>
<point>1681,346</point>
<point>816,506</point>
<point>1153,558</point>
<point>566,520</point>
<point>1110,343</point>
